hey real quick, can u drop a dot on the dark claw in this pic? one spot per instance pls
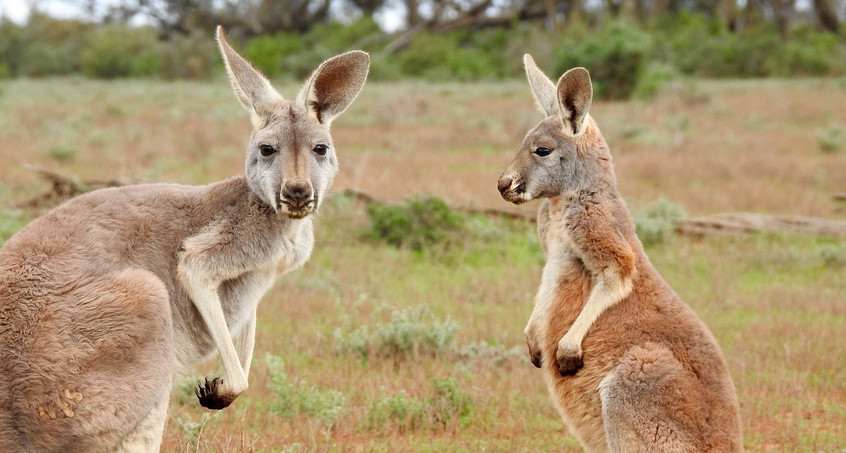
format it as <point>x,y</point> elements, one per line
<point>208,396</point>
<point>537,358</point>
<point>569,365</point>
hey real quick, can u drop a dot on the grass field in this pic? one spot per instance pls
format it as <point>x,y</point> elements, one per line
<point>336,365</point>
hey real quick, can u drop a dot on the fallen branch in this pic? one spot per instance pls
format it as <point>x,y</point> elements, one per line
<point>65,187</point>
<point>745,222</point>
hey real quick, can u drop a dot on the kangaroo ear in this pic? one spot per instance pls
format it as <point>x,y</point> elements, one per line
<point>542,87</point>
<point>254,91</point>
<point>575,93</point>
<point>334,85</point>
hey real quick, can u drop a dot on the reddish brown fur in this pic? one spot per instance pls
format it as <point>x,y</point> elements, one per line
<point>629,366</point>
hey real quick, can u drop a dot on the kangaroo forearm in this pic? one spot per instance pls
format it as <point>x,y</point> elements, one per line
<point>608,291</point>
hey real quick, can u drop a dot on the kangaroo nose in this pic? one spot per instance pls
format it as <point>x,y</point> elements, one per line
<point>504,184</point>
<point>297,193</point>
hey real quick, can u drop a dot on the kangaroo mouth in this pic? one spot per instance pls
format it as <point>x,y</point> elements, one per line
<point>516,195</point>
<point>297,210</point>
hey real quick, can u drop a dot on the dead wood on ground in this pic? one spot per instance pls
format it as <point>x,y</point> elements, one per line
<point>65,187</point>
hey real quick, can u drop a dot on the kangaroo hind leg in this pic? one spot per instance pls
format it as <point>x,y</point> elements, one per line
<point>113,366</point>
<point>651,403</point>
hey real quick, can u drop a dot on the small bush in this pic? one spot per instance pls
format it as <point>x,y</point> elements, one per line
<point>61,153</point>
<point>449,402</point>
<point>831,255</point>
<point>616,57</point>
<point>654,223</point>
<point>400,412</point>
<point>416,224</point>
<point>654,77</point>
<point>269,53</point>
<point>187,57</point>
<point>11,220</point>
<point>295,398</point>
<point>115,51</point>
<point>831,139</point>
<point>192,430</point>
<point>410,333</point>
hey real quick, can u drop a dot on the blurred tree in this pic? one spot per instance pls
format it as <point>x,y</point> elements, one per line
<point>367,7</point>
<point>826,15</point>
<point>292,15</point>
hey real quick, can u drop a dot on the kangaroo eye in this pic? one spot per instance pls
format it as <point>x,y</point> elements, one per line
<point>321,150</point>
<point>266,150</point>
<point>543,151</point>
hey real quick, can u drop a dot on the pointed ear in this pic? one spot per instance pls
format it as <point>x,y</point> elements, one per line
<point>542,88</point>
<point>334,85</point>
<point>254,91</point>
<point>575,93</point>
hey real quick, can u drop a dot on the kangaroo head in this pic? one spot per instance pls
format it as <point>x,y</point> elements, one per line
<point>291,160</point>
<point>564,153</point>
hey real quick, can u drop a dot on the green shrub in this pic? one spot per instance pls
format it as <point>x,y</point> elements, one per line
<point>190,429</point>
<point>187,57</point>
<point>831,255</point>
<point>61,153</point>
<point>269,53</point>
<point>831,139</point>
<point>113,51</point>
<point>401,412</point>
<point>295,398</point>
<point>417,224</point>
<point>616,56</point>
<point>449,402</point>
<point>654,223</point>
<point>654,77</point>
<point>411,333</point>
<point>11,219</point>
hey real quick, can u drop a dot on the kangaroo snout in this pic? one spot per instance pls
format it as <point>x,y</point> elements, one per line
<point>510,190</point>
<point>503,184</point>
<point>297,199</point>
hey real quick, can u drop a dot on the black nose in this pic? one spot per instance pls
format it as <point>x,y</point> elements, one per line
<point>297,193</point>
<point>504,184</point>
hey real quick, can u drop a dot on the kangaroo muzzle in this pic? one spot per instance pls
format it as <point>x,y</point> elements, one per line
<point>297,200</point>
<point>511,190</point>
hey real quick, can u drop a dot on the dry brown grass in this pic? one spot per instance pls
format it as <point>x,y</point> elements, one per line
<point>777,308</point>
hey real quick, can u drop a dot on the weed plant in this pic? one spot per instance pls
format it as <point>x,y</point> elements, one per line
<point>831,139</point>
<point>655,222</point>
<point>411,333</point>
<point>298,399</point>
<point>418,223</point>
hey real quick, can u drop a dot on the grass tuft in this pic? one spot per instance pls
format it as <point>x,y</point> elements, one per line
<point>411,333</point>
<point>831,139</point>
<point>400,412</point>
<point>654,223</point>
<point>297,399</point>
<point>418,223</point>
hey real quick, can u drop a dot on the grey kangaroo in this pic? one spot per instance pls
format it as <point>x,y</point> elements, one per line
<point>107,298</point>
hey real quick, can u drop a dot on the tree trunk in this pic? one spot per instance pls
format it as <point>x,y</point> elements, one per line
<point>826,15</point>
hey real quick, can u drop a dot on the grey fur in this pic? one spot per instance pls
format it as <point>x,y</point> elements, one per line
<point>107,298</point>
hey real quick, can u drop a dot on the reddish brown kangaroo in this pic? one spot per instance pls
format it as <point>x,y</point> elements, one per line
<point>629,366</point>
<point>107,298</point>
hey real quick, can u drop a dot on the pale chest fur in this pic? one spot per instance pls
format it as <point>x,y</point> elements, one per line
<point>562,258</point>
<point>239,269</point>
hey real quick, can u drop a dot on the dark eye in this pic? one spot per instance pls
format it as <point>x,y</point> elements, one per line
<point>321,150</point>
<point>266,150</point>
<point>543,151</point>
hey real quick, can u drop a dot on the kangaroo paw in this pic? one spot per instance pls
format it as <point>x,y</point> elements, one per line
<point>209,396</point>
<point>569,360</point>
